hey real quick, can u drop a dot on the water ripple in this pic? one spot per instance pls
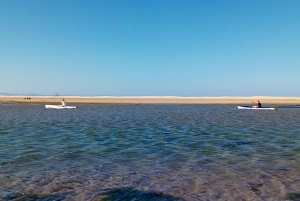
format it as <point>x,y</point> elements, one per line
<point>149,152</point>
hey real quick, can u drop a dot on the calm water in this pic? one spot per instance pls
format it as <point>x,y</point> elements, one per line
<point>135,152</point>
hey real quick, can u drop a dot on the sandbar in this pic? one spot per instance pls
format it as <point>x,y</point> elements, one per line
<point>149,100</point>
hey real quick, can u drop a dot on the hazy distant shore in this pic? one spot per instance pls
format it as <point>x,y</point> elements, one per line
<point>148,100</point>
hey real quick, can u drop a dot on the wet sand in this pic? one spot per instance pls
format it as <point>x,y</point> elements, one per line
<point>149,100</point>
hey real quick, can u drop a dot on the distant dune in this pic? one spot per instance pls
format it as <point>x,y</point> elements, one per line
<point>10,94</point>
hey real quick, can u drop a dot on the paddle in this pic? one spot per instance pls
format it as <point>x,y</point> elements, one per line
<point>58,96</point>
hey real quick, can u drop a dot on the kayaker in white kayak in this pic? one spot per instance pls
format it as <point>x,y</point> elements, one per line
<point>63,103</point>
<point>258,105</point>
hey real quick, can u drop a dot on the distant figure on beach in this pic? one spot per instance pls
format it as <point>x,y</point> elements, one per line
<point>258,105</point>
<point>63,103</point>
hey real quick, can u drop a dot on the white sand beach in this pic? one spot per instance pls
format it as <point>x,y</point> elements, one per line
<point>149,100</point>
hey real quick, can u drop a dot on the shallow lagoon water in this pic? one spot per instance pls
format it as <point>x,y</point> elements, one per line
<point>149,152</point>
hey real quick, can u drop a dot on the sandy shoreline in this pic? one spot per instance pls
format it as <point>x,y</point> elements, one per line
<point>149,100</point>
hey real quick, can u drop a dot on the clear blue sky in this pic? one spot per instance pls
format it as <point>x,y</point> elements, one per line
<point>150,48</point>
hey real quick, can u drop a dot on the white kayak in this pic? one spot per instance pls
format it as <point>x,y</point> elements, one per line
<point>59,107</point>
<point>254,108</point>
